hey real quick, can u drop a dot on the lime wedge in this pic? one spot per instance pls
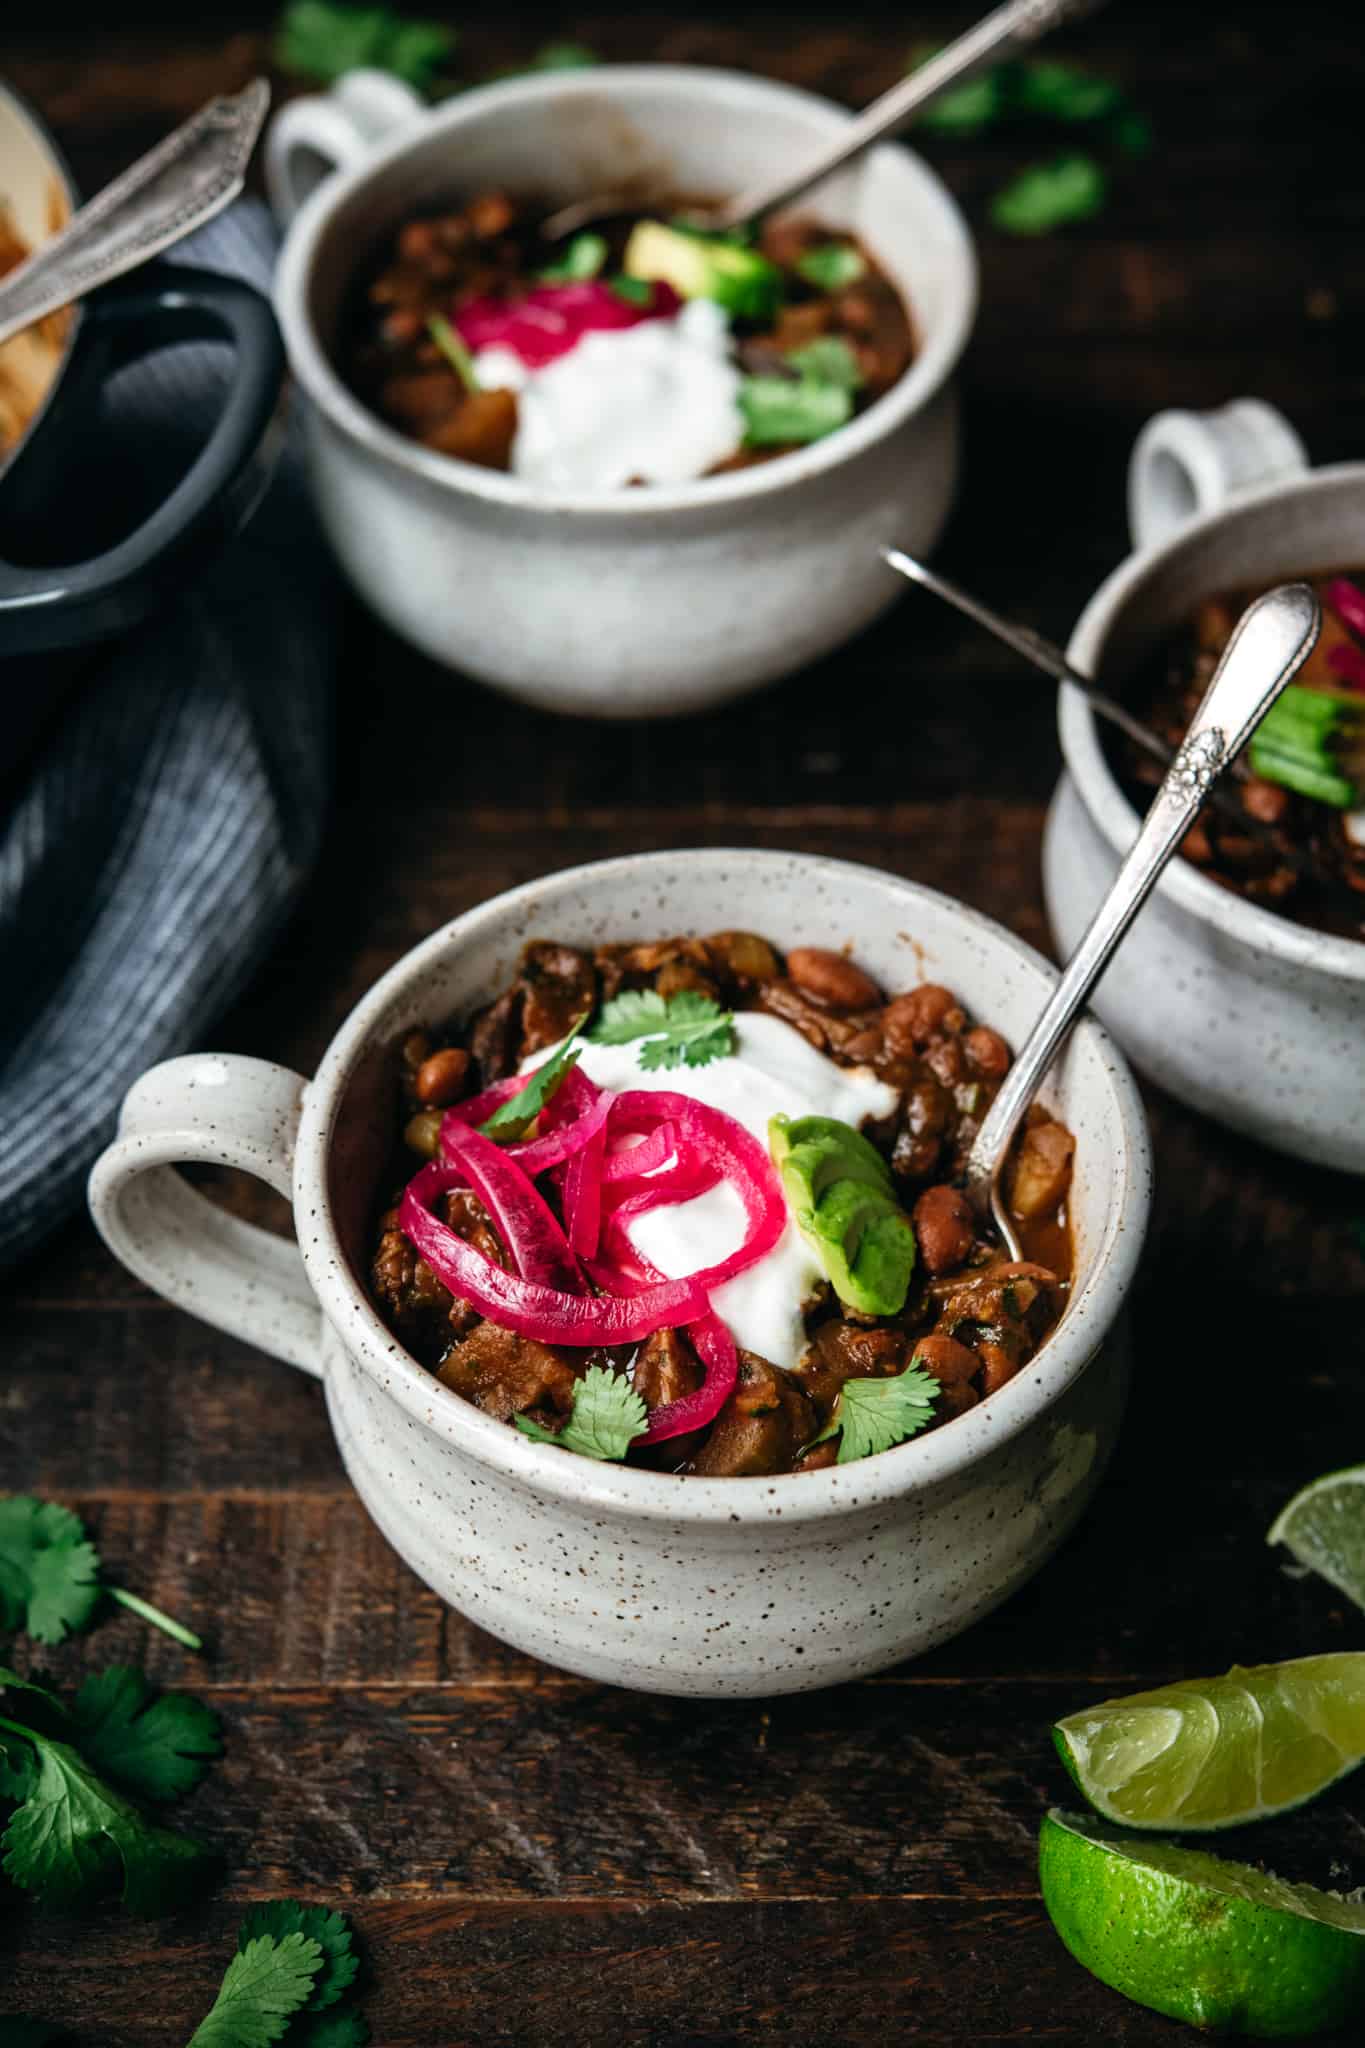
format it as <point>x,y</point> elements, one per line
<point>1213,1943</point>
<point>1324,1526</point>
<point>1217,1752</point>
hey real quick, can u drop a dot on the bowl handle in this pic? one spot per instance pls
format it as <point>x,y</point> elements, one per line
<point>323,132</point>
<point>1184,464</point>
<point>223,1110</point>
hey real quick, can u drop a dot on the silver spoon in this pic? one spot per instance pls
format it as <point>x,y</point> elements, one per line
<point>165,195</point>
<point>1018,21</point>
<point>1271,641</point>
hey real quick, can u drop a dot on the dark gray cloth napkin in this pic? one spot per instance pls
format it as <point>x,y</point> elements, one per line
<point>162,831</point>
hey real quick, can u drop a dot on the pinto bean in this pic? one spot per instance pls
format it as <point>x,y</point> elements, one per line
<point>441,1077</point>
<point>987,1053</point>
<point>913,1019</point>
<point>945,1228</point>
<point>832,979</point>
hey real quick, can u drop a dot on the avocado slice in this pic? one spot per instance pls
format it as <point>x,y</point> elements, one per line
<point>839,1189</point>
<point>700,266</point>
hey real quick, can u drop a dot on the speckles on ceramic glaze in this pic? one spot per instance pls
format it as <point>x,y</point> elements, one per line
<point>722,1588</point>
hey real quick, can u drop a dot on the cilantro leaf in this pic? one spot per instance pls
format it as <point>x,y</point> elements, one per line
<point>965,109</point>
<point>323,40</point>
<point>606,1417</point>
<point>686,1029</point>
<point>18,1770</point>
<point>72,1830</point>
<point>831,265</point>
<point>513,1119</point>
<point>636,291</point>
<point>872,1415</point>
<point>830,360</point>
<point>65,1842</point>
<point>49,1570</point>
<point>156,1747</point>
<point>278,1918</point>
<point>1050,195</point>
<point>783,409</point>
<point>1046,90</point>
<point>49,1575</point>
<point>264,1985</point>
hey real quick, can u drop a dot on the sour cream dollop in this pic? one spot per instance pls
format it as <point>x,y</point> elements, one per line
<point>772,1069</point>
<point>658,402</point>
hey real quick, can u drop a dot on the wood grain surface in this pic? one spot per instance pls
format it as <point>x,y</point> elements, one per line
<point>530,1859</point>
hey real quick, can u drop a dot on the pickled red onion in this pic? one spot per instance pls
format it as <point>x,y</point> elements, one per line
<point>519,1212</point>
<point>573,1116</point>
<point>527,1306</point>
<point>1349,663</point>
<point>1347,600</point>
<point>549,320</point>
<point>716,1349</point>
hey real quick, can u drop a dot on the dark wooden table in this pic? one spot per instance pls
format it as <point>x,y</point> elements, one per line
<point>529,1858</point>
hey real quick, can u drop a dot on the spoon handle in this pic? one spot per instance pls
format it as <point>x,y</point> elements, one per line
<point>1018,21</point>
<point>1271,641</point>
<point>175,188</point>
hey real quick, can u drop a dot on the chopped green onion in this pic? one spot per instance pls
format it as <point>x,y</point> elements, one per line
<point>780,409</point>
<point>583,259</point>
<point>829,360</point>
<point>830,266</point>
<point>454,351</point>
<point>1300,741</point>
<point>1048,196</point>
<point>636,291</point>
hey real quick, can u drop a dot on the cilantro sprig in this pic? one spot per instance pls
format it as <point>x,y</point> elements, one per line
<point>807,405</point>
<point>323,40</point>
<point>1035,92</point>
<point>683,1030</point>
<point>607,1415</point>
<point>513,1119</point>
<point>873,1415</point>
<point>74,1775</point>
<point>829,266</point>
<point>50,1580</point>
<point>293,1963</point>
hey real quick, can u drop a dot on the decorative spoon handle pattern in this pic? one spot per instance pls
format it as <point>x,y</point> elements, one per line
<point>160,199</point>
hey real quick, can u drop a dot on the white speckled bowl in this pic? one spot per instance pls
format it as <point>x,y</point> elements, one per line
<point>715,1587</point>
<point>1243,1014</point>
<point>637,603</point>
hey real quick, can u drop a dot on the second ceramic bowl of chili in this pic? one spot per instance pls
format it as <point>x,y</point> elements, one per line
<point>657,597</point>
<point>1241,989</point>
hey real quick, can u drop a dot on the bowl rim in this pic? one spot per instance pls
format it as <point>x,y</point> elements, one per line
<point>1297,945</point>
<point>715,88</point>
<point>663,1497</point>
<point>30,118</point>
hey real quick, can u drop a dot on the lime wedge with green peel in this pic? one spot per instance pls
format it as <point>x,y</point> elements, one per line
<point>1324,1526</point>
<point>1218,1752</point>
<point>1214,1943</point>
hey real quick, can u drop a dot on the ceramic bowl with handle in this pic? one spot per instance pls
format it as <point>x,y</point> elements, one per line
<point>1240,1012</point>
<point>638,602</point>
<point>644,1579</point>
<point>51,378</point>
